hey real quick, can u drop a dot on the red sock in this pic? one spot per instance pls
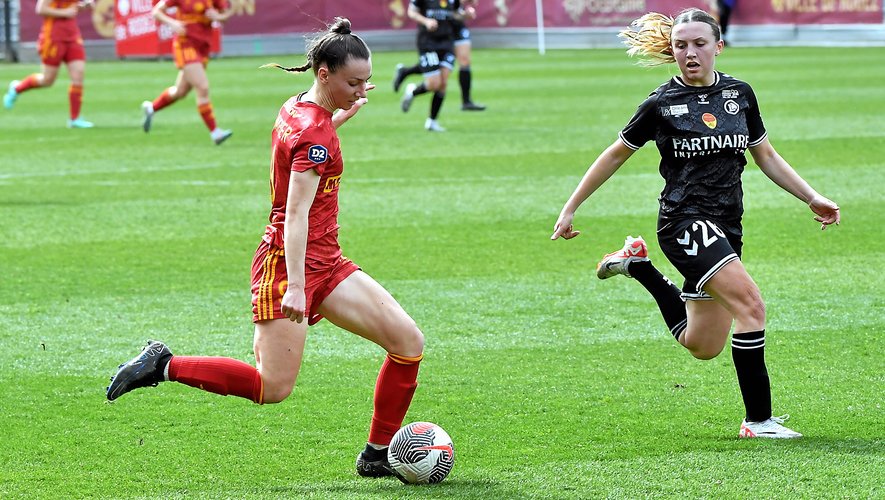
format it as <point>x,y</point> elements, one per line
<point>396,384</point>
<point>30,82</point>
<point>75,96</point>
<point>164,99</point>
<point>207,114</point>
<point>219,375</point>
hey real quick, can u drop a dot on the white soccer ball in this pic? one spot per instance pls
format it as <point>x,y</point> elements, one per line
<point>421,453</point>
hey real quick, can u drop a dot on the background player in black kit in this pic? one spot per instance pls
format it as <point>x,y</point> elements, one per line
<point>702,122</point>
<point>463,50</point>
<point>436,52</point>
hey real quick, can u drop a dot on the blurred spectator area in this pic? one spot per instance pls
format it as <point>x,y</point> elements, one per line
<point>261,27</point>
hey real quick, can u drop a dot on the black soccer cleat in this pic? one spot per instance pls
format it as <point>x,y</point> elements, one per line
<point>399,74</point>
<point>373,463</point>
<point>472,106</point>
<point>144,370</point>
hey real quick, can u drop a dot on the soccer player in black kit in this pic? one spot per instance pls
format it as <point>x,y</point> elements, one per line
<point>463,50</point>
<point>702,121</point>
<point>436,52</point>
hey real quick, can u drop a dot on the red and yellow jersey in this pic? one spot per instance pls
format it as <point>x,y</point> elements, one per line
<point>60,29</point>
<point>303,139</point>
<point>193,14</point>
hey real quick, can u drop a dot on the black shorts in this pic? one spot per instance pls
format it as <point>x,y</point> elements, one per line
<point>698,249</point>
<point>431,61</point>
<point>462,35</point>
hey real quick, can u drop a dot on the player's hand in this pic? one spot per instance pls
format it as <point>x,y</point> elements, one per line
<point>564,228</point>
<point>214,15</point>
<point>70,12</point>
<point>177,27</point>
<point>431,24</point>
<point>293,305</point>
<point>85,4</point>
<point>826,210</point>
<point>469,13</point>
<point>342,115</point>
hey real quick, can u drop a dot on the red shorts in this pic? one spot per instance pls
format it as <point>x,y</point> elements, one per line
<point>54,53</point>
<point>187,51</point>
<point>269,282</point>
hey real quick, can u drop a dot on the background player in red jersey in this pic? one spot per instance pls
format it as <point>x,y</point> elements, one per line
<point>59,42</point>
<point>702,122</point>
<point>192,26</point>
<point>298,273</point>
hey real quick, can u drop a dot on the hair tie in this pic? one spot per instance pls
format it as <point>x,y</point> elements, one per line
<point>344,31</point>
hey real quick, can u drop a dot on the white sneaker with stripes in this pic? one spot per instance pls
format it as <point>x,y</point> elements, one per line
<point>770,428</point>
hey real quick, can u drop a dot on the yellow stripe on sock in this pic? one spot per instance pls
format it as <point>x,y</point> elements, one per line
<point>405,360</point>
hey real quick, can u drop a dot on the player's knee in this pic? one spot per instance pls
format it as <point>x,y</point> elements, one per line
<point>408,341</point>
<point>47,81</point>
<point>705,353</point>
<point>276,387</point>
<point>277,392</point>
<point>752,310</point>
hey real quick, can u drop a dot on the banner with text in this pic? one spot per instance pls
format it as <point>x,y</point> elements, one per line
<point>255,17</point>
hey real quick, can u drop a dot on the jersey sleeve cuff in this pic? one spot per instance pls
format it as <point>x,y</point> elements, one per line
<point>627,143</point>
<point>758,141</point>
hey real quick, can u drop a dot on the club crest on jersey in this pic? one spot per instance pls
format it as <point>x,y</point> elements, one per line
<point>317,153</point>
<point>709,120</point>
<point>731,107</point>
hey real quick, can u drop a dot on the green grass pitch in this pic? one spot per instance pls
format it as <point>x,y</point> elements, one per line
<point>551,383</point>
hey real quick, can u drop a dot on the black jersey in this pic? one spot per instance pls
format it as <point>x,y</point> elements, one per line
<point>444,12</point>
<point>702,134</point>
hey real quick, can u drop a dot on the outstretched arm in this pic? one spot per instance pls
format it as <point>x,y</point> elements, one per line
<point>778,170</point>
<point>604,167</point>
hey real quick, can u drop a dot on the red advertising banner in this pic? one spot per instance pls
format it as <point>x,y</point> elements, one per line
<point>255,17</point>
<point>137,33</point>
<point>808,12</point>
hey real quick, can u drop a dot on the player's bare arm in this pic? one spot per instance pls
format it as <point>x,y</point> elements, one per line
<point>600,171</point>
<point>159,13</point>
<point>781,173</point>
<point>44,9</point>
<point>302,189</point>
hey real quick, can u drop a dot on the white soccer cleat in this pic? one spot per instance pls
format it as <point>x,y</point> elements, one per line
<point>147,107</point>
<point>770,428</point>
<point>408,97</point>
<point>220,135</point>
<point>433,125</point>
<point>616,262</point>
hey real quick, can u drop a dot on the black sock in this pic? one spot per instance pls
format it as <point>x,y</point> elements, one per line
<point>420,89</point>
<point>160,374</point>
<point>665,293</point>
<point>411,70</point>
<point>464,79</point>
<point>748,353</point>
<point>436,104</point>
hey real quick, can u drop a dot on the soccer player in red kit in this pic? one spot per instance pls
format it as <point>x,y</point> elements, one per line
<point>59,42</point>
<point>192,26</point>
<point>298,273</point>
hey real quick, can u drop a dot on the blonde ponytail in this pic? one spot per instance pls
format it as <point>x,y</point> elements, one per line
<point>649,38</point>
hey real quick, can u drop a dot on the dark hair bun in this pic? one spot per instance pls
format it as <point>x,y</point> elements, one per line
<point>341,26</point>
